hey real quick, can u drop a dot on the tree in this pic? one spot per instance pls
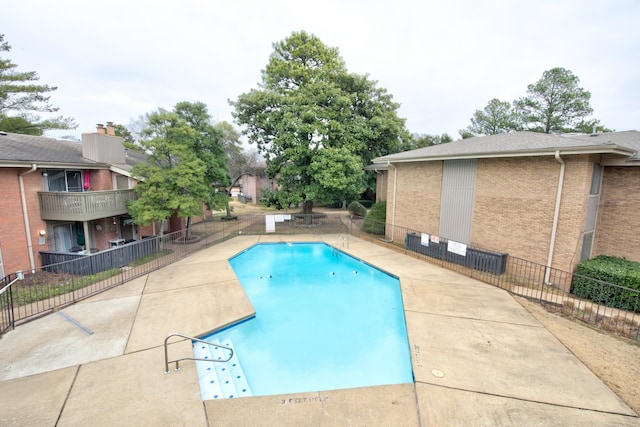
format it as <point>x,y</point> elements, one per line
<point>129,140</point>
<point>239,161</point>
<point>208,145</point>
<point>555,103</point>
<point>464,134</point>
<point>497,117</point>
<point>314,122</point>
<point>19,124</point>
<point>591,126</point>
<point>20,98</point>
<point>424,140</point>
<point>172,180</point>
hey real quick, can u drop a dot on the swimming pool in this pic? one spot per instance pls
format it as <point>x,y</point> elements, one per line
<point>324,320</point>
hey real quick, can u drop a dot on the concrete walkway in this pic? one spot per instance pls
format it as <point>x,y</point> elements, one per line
<point>478,357</point>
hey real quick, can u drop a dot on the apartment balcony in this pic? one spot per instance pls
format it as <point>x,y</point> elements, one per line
<point>84,206</point>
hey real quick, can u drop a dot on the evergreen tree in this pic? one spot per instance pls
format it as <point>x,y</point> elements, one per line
<point>21,98</point>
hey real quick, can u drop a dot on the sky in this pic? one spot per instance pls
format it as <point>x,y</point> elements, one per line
<point>440,60</point>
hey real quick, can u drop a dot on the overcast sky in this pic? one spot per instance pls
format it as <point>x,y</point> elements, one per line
<point>441,60</point>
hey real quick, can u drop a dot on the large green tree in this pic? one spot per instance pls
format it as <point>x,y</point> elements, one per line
<point>208,145</point>
<point>316,124</point>
<point>424,140</point>
<point>172,180</point>
<point>497,117</point>
<point>555,103</point>
<point>21,98</point>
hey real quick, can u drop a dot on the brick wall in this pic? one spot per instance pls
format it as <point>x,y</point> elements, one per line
<point>13,237</point>
<point>618,226</point>
<point>101,180</point>
<point>514,204</point>
<point>573,211</point>
<point>417,199</point>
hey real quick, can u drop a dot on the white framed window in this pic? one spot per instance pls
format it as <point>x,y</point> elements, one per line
<point>67,180</point>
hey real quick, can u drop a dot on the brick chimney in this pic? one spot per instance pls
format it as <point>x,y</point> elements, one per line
<point>110,129</point>
<point>100,128</point>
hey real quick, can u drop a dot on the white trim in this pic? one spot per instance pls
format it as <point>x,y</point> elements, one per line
<point>595,149</point>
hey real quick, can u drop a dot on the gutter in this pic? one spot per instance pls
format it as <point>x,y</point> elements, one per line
<point>556,215</point>
<point>25,214</point>
<point>590,149</point>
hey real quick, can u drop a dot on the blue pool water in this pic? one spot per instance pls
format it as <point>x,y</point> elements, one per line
<point>324,320</point>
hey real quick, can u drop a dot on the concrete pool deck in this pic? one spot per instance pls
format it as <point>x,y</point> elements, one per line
<point>479,358</point>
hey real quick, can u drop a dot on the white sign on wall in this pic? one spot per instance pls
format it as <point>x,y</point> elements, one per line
<point>457,248</point>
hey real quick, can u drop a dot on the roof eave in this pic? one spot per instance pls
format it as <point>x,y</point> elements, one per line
<point>57,165</point>
<point>600,149</point>
<point>120,170</point>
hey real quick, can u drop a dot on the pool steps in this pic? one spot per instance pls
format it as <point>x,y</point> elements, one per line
<point>220,380</point>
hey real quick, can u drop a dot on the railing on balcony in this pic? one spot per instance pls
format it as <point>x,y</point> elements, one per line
<point>84,206</point>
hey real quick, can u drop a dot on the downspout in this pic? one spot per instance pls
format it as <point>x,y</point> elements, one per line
<point>25,214</point>
<point>556,215</point>
<point>393,205</point>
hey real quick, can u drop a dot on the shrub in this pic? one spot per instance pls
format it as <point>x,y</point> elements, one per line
<point>366,203</point>
<point>355,208</point>
<point>594,277</point>
<point>376,218</point>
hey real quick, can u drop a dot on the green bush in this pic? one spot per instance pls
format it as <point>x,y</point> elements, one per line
<point>375,220</point>
<point>355,208</point>
<point>593,277</point>
<point>366,203</point>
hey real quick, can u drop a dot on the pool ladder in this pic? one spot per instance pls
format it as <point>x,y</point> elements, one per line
<point>342,239</point>
<point>177,361</point>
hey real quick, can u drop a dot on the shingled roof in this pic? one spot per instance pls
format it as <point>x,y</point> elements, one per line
<point>18,150</point>
<point>37,149</point>
<point>522,144</point>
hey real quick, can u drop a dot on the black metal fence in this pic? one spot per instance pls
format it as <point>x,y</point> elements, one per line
<point>95,263</point>
<point>549,287</point>
<point>67,278</point>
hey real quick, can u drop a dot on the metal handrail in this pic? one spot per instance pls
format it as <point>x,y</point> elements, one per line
<point>177,361</point>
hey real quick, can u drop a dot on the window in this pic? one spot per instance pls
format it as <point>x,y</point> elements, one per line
<point>587,243</point>
<point>596,179</point>
<point>68,237</point>
<point>64,180</point>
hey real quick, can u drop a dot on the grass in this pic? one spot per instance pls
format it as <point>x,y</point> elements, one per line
<point>39,287</point>
<point>149,258</point>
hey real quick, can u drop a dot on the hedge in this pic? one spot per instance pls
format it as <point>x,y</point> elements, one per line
<point>355,208</point>
<point>376,218</point>
<point>594,278</point>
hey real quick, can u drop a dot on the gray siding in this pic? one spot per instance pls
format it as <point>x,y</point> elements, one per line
<point>456,208</point>
<point>103,148</point>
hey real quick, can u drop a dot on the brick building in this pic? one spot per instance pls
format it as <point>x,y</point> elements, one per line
<point>551,199</point>
<point>63,196</point>
<point>253,183</point>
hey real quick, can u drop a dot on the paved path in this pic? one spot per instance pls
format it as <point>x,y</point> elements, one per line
<point>478,357</point>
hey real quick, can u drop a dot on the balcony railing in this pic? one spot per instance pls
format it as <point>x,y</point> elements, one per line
<point>83,206</point>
